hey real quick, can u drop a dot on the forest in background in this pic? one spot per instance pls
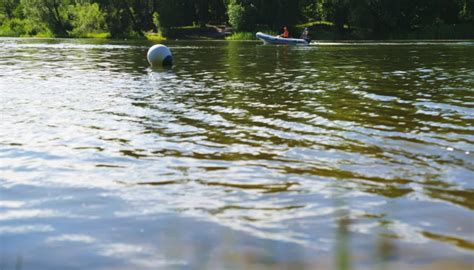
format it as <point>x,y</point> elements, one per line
<point>327,19</point>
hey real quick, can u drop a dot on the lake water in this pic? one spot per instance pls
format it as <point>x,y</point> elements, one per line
<point>241,156</point>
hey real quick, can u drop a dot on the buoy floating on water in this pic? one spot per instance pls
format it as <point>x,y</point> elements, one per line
<point>159,55</point>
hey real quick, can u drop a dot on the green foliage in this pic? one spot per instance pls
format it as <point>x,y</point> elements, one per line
<point>176,13</point>
<point>309,10</point>
<point>156,20</point>
<point>10,9</point>
<point>242,36</point>
<point>135,18</point>
<point>247,35</point>
<point>22,28</point>
<point>53,13</point>
<point>236,15</point>
<point>99,35</point>
<point>241,16</point>
<point>154,36</point>
<point>336,11</point>
<point>467,10</point>
<point>13,27</point>
<point>86,19</point>
<point>117,18</point>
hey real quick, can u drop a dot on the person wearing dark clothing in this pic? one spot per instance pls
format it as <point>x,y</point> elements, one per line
<point>305,35</point>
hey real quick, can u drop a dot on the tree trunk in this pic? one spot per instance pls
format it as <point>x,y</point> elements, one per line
<point>135,25</point>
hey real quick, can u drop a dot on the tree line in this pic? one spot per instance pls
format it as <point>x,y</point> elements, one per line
<point>134,18</point>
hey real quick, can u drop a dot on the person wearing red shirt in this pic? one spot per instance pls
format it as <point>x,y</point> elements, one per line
<point>285,34</point>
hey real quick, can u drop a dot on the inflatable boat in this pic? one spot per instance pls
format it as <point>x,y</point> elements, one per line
<point>268,39</point>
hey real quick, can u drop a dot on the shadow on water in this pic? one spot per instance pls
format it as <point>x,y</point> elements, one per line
<point>266,188</point>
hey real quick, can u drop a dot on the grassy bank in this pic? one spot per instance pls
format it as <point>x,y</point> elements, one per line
<point>319,30</point>
<point>248,35</point>
<point>154,36</point>
<point>23,28</point>
<point>241,36</point>
<point>102,35</point>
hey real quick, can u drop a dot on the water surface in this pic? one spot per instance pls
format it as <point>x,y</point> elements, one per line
<point>241,156</point>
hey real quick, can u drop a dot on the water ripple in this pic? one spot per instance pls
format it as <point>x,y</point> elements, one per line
<point>277,143</point>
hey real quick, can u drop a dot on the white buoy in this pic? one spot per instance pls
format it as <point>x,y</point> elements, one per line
<point>159,55</point>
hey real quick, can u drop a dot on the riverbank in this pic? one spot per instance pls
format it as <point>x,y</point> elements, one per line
<point>208,32</point>
<point>319,31</point>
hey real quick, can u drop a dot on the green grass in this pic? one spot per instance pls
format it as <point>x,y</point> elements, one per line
<point>154,36</point>
<point>241,36</point>
<point>315,23</point>
<point>13,28</point>
<point>102,35</point>
<point>248,35</point>
<point>46,34</point>
<point>6,33</point>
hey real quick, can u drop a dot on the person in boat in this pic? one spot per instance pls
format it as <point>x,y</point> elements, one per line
<point>285,34</point>
<point>305,35</point>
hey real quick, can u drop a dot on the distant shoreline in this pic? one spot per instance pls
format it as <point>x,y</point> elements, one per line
<point>316,42</point>
<point>221,32</point>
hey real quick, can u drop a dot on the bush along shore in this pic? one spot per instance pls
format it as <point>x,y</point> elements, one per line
<point>238,19</point>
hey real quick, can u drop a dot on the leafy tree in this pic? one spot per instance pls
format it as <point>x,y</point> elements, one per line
<point>53,13</point>
<point>123,18</point>
<point>10,9</point>
<point>309,10</point>
<point>242,15</point>
<point>336,11</point>
<point>86,18</point>
<point>466,12</point>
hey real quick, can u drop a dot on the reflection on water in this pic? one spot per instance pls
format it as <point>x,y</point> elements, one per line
<point>241,156</point>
